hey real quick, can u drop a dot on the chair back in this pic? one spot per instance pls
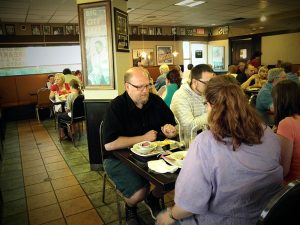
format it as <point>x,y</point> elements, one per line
<point>43,98</point>
<point>283,208</point>
<point>102,148</point>
<point>78,109</point>
<point>252,100</point>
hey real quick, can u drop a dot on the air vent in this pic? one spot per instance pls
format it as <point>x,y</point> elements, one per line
<point>238,18</point>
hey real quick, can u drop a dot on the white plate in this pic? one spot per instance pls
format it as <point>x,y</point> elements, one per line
<point>174,159</point>
<point>159,149</point>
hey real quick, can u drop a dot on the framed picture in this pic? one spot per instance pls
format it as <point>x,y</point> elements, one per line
<point>96,45</point>
<point>58,30</point>
<point>164,55</point>
<point>218,58</point>
<point>1,30</point>
<point>47,30</point>
<point>77,30</point>
<point>143,31</point>
<point>151,31</point>
<point>143,57</point>
<point>158,31</point>
<point>69,30</point>
<point>189,32</point>
<point>182,31</point>
<point>174,32</point>
<point>10,29</point>
<point>36,29</point>
<point>134,30</point>
<point>121,26</point>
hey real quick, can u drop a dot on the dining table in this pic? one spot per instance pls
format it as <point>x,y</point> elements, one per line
<point>164,181</point>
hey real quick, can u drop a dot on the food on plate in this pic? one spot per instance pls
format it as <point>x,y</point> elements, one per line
<point>178,155</point>
<point>165,142</point>
<point>145,147</point>
<point>146,144</point>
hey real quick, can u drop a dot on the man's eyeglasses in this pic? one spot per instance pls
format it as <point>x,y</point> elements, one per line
<point>141,87</point>
<point>203,82</point>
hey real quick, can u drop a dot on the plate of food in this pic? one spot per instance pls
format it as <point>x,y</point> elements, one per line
<point>168,144</point>
<point>176,158</point>
<point>145,149</point>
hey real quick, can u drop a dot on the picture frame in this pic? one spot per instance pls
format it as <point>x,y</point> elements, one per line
<point>46,30</point>
<point>143,31</point>
<point>151,31</point>
<point>96,45</point>
<point>164,55</point>
<point>158,31</point>
<point>134,30</point>
<point>182,31</point>
<point>69,29</point>
<point>1,30</point>
<point>173,31</point>
<point>10,29</point>
<point>36,29</point>
<point>138,59</point>
<point>218,58</point>
<point>121,30</point>
<point>189,32</point>
<point>77,30</point>
<point>58,30</point>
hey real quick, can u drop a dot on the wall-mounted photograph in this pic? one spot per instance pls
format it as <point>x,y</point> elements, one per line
<point>143,57</point>
<point>58,30</point>
<point>69,29</point>
<point>143,31</point>
<point>122,34</point>
<point>218,58</point>
<point>77,30</point>
<point>158,30</point>
<point>164,55</point>
<point>36,29</point>
<point>47,30</point>
<point>10,29</point>
<point>151,31</point>
<point>96,46</point>
<point>1,30</point>
<point>134,30</point>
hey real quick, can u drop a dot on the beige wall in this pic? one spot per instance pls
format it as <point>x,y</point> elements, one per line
<point>224,43</point>
<point>285,47</point>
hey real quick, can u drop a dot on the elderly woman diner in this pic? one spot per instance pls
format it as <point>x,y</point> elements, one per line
<point>234,166</point>
<point>60,88</point>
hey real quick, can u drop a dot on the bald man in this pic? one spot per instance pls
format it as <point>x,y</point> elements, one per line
<point>133,117</point>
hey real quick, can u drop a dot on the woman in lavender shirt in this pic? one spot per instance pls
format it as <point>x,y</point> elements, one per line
<point>231,170</point>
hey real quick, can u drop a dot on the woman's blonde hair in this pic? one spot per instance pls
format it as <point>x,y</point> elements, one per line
<point>60,76</point>
<point>231,115</point>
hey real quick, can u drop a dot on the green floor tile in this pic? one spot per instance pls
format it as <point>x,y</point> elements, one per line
<point>12,155</point>
<point>14,194</point>
<point>88,176</point>
<point>77,161</point>
<point>9,161</point>
<point>14,207</point>
<point>83,168</point>
<point>92,187</point>
<point>10,184</point>
<point>109,212</point>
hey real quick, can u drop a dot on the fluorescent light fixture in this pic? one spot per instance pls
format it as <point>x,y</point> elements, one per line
<point>189,3</point>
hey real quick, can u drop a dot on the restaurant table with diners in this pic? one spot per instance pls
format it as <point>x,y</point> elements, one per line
<point>164,181</point>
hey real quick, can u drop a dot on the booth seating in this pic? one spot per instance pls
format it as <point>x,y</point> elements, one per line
<point>21,90</point>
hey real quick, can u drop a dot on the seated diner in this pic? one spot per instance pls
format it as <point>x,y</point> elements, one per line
<point>234,166</point>
<point>60,88</point>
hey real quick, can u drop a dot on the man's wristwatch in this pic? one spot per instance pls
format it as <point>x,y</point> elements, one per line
<point>169,210</point>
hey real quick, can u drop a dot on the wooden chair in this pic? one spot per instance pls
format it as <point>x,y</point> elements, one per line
<point>283,208</point>
<point>43,101</point>
<point>75,125</point>
<point>105,177</point>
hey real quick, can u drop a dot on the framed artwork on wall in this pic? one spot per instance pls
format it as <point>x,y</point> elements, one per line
<point>10,29</point>
<point>96,45</point>
<point>58,30</point>
<point>143,31</point>
<point>151,31</point>
<point>164,55</point>
<point>36,29</point>
<point>69,29</point>
<point>143,59</point>
<point>218,58</point>
<point>47,30</point>
<point>1,30</point>
<point>134,30</point>
<point>77,30</point>
<point>121,30</point>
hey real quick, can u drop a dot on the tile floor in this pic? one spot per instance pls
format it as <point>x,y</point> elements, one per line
<point>44,181</point>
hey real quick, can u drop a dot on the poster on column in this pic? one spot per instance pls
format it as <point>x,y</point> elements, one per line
<point>97,47</point>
